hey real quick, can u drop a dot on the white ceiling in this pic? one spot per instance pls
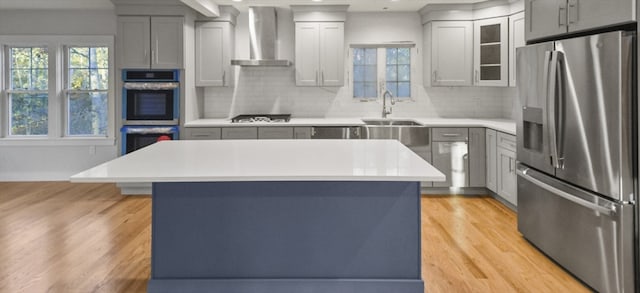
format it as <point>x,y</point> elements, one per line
<point>355,5</point>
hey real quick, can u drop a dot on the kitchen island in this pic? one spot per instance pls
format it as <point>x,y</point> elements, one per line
<point>280,215</point>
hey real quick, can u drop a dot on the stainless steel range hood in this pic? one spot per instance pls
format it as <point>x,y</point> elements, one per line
<point>263,39</point>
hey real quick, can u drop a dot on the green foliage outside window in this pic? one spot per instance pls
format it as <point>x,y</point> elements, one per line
<point>28,96</point>
<point>87,96</point>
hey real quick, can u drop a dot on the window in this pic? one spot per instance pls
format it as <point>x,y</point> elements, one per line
<point>57,90</point>
<point>87,91</point>
<point>365,71</point>
<point>399,72</point>
<point>370,81</point>
<point>28,90</point>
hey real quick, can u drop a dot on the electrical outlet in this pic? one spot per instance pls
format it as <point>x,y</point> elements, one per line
<point>92,150</point>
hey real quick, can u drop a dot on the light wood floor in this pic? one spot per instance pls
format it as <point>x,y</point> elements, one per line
<point>63,237</point>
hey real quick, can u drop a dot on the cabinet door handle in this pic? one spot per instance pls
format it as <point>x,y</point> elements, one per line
<point>224,77</point>
<point>476,76</point>
<point>322,76</point>
<point>573,11</point>
<point>316,77</point>
<point>451,134</point>
<point>562,15</point>
<point>435,76</point>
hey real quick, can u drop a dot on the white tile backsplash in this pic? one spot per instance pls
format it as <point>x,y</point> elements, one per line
<point>273,90</point>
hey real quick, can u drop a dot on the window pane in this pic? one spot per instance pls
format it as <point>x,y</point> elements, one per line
<point>371,73</point>
<point>371,56</point>
<point>358,56</point>
<point>100,79</point>
<point>102,57</point>
<point>392,56</point>
<point>393,88</point>
<point>28,114</point>
<point>88,114</point>
<point>88,68</point>
<point>392,73</point>
<point>358,89</point>
<point>404,89</point>
<point>79,79</point>
<point>40,79</point>
<point>29,69</point>
<point>358,73</point>
<point>20,57</point>
<point>78,57</point>
<point>404,72</point>
<point>20,79</point>
<point>370,90</point>
<point>404,56</point>
<point>40,58</point>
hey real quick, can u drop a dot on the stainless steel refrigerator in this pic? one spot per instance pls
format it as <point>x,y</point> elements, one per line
<point>577,153</point>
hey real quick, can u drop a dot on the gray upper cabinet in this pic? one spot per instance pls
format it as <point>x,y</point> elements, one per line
<point>150,42</point>
<point>477,157</point>
<point>546,18</point>
<point>319,50</point>
<point>490,52</point>
<point>214,50</point>
<point>451,53</point>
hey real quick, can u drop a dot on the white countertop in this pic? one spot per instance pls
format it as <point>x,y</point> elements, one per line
<point>266,160</point>
<point>503,125</point>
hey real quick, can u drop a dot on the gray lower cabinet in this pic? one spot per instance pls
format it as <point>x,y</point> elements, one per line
<point>201,133</point>
<point>302,132</point>
<point>275,132</point>
<point>506,164</point>
<point>450,155</point>
<point>477,157</point>
<point>492,161</point>
<point>239,133</point>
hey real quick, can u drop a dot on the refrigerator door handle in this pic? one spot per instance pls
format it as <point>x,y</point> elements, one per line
<point>522,172</point>
<point>551,108</point>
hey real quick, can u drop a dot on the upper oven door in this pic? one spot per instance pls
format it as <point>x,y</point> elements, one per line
<point>149,104</point>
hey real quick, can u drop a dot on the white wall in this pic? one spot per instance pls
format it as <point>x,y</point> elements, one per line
<point>273,90</point>
<point>53,162</point>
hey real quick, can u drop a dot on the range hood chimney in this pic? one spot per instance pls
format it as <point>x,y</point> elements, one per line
<point>263,39</point>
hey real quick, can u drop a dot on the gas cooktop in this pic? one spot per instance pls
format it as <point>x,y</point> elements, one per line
<point>250,118</point>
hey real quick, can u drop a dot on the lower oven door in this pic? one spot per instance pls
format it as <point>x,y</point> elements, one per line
<point>588,235</point>
<point>137,137</point>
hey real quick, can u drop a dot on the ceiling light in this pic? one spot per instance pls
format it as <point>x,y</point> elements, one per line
<point>316,0</point>
<point>237,0</point>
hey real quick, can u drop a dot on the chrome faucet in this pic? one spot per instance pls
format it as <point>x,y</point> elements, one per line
<point>386,112</point>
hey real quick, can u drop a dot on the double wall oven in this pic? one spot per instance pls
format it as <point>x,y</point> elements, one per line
<point>150,107</point>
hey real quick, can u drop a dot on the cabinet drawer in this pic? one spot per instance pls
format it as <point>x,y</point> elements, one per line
<point>240,133</point>
<point>302,132</point>
<point>450,134</point>
<point>202,133</point>
<point>275,133</point>
<point>507,141</point>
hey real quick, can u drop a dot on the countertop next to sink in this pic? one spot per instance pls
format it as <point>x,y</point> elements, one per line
<point>503,125</point>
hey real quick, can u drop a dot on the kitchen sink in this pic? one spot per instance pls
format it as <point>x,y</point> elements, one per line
<point>408,132</point>
<point>388,122</point>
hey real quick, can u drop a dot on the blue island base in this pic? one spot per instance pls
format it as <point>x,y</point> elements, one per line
<point>291,236</point>
<point>286,286</point>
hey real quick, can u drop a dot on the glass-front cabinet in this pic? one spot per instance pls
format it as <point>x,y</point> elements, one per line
<point>491,53</point>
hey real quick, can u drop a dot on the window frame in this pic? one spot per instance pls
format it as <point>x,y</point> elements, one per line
<point>66,91</point>
<point>57,101</point>
<point>381,70</point>
<point>9,91</point>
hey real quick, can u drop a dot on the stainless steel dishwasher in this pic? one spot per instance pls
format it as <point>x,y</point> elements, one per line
<point>335,132</point>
